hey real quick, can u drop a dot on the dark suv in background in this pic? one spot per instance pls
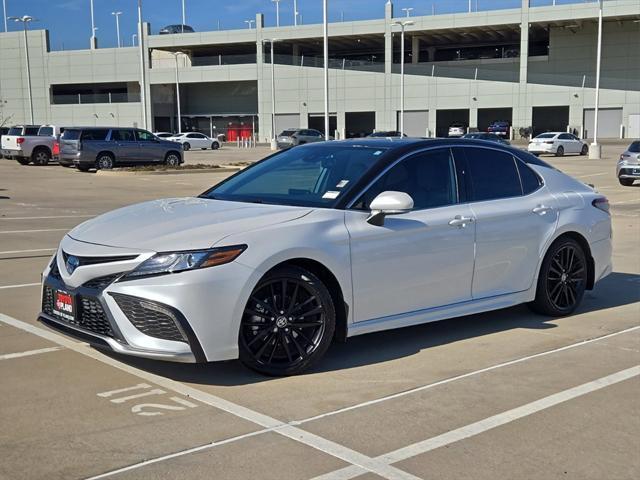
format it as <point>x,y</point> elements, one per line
<point>107,147</point>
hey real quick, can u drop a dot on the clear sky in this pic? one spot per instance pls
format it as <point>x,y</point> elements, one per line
<point>69,22</point>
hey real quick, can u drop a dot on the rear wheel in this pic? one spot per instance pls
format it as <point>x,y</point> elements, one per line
<point>560,151</point>
<point>562,280</point>
<point>584,150</point>
<point>626,182</point>
<point>105,161</point>
<point>40,157</point>
<point>23,160</point>
<point>288,323</point>
<point>215,146</point>
<point>186,146</point>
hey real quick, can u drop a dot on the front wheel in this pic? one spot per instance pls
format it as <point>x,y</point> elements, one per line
<point>288,323</point>
<point>560,151</point>
<point>626,182</point>
<point>215,146</point>
<point>23,160</point>
<point>172,160</point>
<point>562,280</point>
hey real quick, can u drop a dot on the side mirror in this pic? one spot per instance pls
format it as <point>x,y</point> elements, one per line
<point>389,203</point>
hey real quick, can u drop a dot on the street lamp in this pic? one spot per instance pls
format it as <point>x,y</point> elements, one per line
<point>594,150</point>
<point>133,39</point>
<point>26,19</point>
<point>184,15</point>
<point>408,11</point>
<point>325,32</point>
<point>117,15</point>
<point>277,2</point>
<point>402,26</point>
<point>175,56</point>
<point>93,27</point>
<point>249,23</point>
<point>274,145</point>
<point>295,12</point>
<point>143,82</point>
<point>4,14</point>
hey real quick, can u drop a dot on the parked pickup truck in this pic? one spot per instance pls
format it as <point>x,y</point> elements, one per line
<point>31,143</point>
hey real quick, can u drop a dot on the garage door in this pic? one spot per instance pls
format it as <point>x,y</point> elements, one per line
<point>609,121</point>
<point>285,121</point>
<point>634,126</point>
<point>416,123</point>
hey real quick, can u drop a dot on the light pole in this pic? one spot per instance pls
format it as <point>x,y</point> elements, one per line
<point>274,145</point>
<point>295,13</point>
<point>408,11</point>
<point>93,26</point>
<point>4,14</point>
<point>249,23</point>
<point>594,150</point>
<point>133,39</point>
<point>184,15</point>
<point>325,32</point>
<point>143,82</point>
<point>175,56</point>
<point>26,19</point>
<point>117,15</point>
<point>277,2</point>
<point>402,26</point>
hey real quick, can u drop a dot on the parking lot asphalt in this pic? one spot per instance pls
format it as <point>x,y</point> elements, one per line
<point>506,394</point>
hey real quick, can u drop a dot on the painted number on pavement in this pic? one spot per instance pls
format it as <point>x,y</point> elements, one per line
<point>143,390</point>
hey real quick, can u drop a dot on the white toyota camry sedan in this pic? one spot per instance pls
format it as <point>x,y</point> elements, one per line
<point>326,241</point>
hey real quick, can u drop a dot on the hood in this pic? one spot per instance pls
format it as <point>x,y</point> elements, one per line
<point>180,223</point>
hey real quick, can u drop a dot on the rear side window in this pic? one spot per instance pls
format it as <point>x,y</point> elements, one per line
<point>97,134</point>
<point>530,181</point>
<point>31,131</point>
<point>45,132</point>
<point>492,175</point>
<point>15,131</point>
<point>71,134</point>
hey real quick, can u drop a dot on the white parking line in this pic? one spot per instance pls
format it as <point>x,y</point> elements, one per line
<point>6,287</point>
<point>593,175</point>
<point>339,451</point>
<point>487,424</point>
<point>35,250</point>
<point>36,231</point>
<point>47,217</point>
<point>8,356</point>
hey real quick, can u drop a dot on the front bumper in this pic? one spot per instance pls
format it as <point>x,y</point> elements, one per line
<point>626,170</point>
<point>541,148</point>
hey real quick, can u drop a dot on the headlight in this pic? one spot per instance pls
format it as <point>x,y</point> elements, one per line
<point>163,263</point>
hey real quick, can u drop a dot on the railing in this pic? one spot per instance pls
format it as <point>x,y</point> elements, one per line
<point>211,60</point>
<point>89,98</point>
<point>629,83</point>
<point>471,72</point>
<point>334,63</point>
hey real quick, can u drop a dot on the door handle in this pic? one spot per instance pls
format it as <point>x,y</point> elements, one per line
<point>542,210</point>
<point>460,221</point>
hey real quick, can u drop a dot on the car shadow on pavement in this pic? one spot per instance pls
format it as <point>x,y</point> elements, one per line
<point>618,289</point>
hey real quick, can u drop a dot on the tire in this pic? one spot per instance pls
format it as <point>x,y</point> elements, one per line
<point>584,151</point>
<point>272,338</point>
<point>83,168</point>
<point>186,146</point>
<point>23,160</point>
<point>562,279</point>
<point>560,151</point>
<point>41,157</point>
<point>105,161</point>
<point>626,182</point>
<point>172,160</point>
<point>215,146</point>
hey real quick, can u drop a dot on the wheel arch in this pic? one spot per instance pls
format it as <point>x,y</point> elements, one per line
<point>330,280</point>
<point>38,148</point>
<point>107,152</point>
<point>584,243</point>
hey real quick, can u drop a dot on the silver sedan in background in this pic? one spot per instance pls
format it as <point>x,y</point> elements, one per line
<point>628,169</point>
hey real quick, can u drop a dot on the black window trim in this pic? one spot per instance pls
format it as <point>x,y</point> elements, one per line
<point>358,196</point>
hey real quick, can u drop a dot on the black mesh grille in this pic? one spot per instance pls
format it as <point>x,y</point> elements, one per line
<point>97,260</point>
<point>149,317</point>
<point>89,313</point>
<point>101,283</point>
<point>55,273</point>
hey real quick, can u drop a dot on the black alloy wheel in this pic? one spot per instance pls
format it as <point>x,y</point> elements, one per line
<point>41,157</point>
<point>584,151</point>
<point>288,323</point>
<point>563,279</point>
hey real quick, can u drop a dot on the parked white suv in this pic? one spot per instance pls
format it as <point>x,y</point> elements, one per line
<point>191,140</point>
<point>32,143</point>
<point>557,143</point>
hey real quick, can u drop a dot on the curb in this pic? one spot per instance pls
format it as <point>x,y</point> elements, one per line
<point>124,173</point>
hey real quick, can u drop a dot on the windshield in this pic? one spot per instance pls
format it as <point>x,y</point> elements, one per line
<point>471,135</point>
<point>546,135</point>
<point>635,147</point>
<point>288,133</point>
<point>314,176</point>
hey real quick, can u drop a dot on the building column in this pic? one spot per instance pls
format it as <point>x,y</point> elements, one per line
<point>296,54</point>
<point>473,117</point>
<point>264,87</point>
<point>415,49</point>
<point>146,31</point>
<point>389,116</point>
<point>431,54</point>
<point>341,124</point>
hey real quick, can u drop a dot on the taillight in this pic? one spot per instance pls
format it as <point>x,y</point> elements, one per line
<point>56,148</point>
<point>549,142</point>
<point>20,140</point>
<point>601,203</point>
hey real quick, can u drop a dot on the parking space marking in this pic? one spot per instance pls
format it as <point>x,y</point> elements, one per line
<point>8,356</point>
<point>46,217</point>
<point>21,285</point>
<point>33,250</point>
<point>41,230</point>
<point>593,175</point>
<point>326,446</point>
<point>143,408</point>
<point>464,375</point>
<point>489,423</point>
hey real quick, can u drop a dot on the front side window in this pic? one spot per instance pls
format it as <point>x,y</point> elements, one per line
<point>310,177</point>
<point>492,174</point>
<point>144,136</point>
<point>427,177</point>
